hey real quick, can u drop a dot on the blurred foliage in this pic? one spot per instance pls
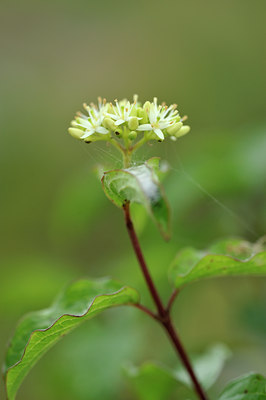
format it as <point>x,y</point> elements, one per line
<point>56,224</point>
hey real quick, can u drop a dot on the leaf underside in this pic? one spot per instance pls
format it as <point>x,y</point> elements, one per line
<point>207,366</point>
<point>153,381</point>
<point>40,330</point>
<point>140,184</point>
<point>233,257</point>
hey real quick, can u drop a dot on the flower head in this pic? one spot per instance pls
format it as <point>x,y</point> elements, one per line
<point>128,125</point>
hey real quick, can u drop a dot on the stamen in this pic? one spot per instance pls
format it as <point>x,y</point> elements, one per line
<point>135,98</point>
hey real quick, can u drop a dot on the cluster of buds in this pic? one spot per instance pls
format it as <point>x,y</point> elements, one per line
<point>127,121</point>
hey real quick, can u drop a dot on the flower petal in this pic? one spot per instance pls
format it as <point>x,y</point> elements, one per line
<point>119,122</point>
<point>84,122</point>
<point>113,116</point>
<point>165,124</point>
<point>144,127</point>
<point>159,133</point>
<point>87,134</point>
<point>101,129</point>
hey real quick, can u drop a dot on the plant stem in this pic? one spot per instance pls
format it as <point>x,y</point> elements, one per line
<point>146,310</point>
<point>144,268</point>
<point>171,300</point>
<point>163,316</point>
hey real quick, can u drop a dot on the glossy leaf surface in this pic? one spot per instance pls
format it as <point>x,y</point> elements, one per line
<point>39,330</point>
<point>227,258</point>
<point>248,387</point>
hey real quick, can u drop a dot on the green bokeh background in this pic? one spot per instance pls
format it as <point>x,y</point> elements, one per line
<point>56,224</point>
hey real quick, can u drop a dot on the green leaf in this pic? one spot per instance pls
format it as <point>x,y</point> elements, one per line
<point>227,258</point>
<point>156,382</point>
<point>140,184</point>
<point>207,366</point>
<point>248,387</point>
<point>39,330</point>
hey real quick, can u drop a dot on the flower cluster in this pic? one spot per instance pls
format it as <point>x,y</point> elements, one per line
<point>125,120</point>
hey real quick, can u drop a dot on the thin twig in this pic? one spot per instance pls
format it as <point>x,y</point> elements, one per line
<point>171,300</point>
<point>147,311</point>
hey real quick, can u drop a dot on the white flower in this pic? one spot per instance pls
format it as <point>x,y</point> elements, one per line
<point>93,123</point>
<point>122,112</point>
<point>160,117</point>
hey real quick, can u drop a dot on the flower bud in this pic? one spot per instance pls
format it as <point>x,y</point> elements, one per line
<point>75,133</point>
<point>108,123</point>
<point>143,115</point>
<point>173,129</point>
<point>133,123</point>
<point>147,106</point>
<point>132,135</point>
<point>134,112</point>
<point>183,131</point>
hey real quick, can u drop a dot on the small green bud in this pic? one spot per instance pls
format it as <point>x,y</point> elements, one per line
<point>134,111</point>
<point>143,115</point>
<point>147,106</point>
<point>173,129</point>
<point>75,133</point>
<point>133,123</point>
<point>183,131</point>
<point>110,108</point>
<point>108,123</point>
<point>132,135</point>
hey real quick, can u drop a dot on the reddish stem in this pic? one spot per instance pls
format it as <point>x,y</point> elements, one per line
<point>163,316</point>
<point>171,300</point>
<point>146,310</point>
